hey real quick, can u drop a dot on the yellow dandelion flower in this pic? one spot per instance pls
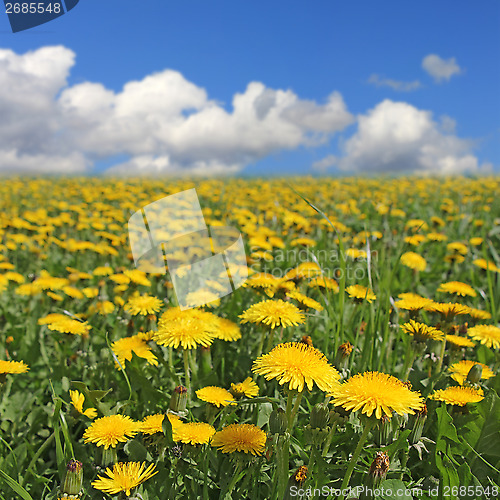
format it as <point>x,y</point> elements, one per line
<point>153,424</point>
<point>413,261</point>
<point>457,247</point>
<point>111,430</point>
<point>460,370</point>
<point>216,396</point>
<point>360,293</point>
<point>304,300</point>
<point>193,433</point>
<point>476,241</point>
<point>377,392</point>
<point>458,395</point>
<point>51,318</point>
<point>458,341</point>
<point>124,477</point>
<point>102,307</point>
<point>77,400</point>
<point>73,292</point>
<point>28,289</point>
<point>207,298</point>
<point>415,303</point>
<point>269,283</point>
<point>69,325</point>
<point>227,330</point>
<point>458,288</point>
<point>143,305</point>
<point>246,438</point>
<point>136,344</point>
<point>415,240</point>
<point>273,313</point>
<point>486,265</point>
<point>137,276</point>
<point>297,364</point>
<point>307,242</point>
<point>324,282</point>
<point>103,271</point>
<point>422,332</point>
<point>304,270</point>
<point>448,310</point>
<point>13,367</point>
<point>187,329</point>
<point>479,313</point>
<point>489,335</point>
<point>247,388</point>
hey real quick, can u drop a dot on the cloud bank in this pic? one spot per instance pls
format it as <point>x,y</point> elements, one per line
<point>162,123</point>
<point>397,137</point>
<point>165,124</point>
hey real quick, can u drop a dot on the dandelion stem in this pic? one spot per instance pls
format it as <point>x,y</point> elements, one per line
<point>441,357</point>
<point>328,441</point>
<point>261,342</point>
<point>185,355</point>
<point>354,458</point>
<point>296,406</point>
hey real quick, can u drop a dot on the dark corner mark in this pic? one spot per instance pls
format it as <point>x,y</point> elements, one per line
<point>26,14</point>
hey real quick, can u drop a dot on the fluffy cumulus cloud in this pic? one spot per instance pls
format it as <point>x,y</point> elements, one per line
<point>398,85</point>
<point>440,69</point>
<point>162,123</point>
<point>397,137</point>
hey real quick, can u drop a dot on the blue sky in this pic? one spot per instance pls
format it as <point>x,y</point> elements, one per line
<point>323,87</point>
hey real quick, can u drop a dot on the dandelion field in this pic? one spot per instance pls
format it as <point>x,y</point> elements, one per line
<point>360,355</point>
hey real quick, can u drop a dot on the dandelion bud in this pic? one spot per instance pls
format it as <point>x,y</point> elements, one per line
<point>379,467</point>
<point>376,474</point>
<point>475,374</point>
<point>300,475</point>
<point>343,353</point>
<point>74,478</point>
<point>178,401</point>
<point>278,421</point>
<point>320,415</point>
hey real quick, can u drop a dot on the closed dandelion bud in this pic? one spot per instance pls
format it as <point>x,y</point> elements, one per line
<point>277,421</point>
<point>418,424</point>
<point>376,474</point>
<point>378,469</point>
<point>300,475</point>
<point>178,401</point>
<point>475,374</point>
<point>343,353</point>
<point>74,478</point>
<point>320,415</point>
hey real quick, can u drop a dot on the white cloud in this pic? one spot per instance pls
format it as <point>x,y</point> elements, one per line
<point>163,123</point>
<point>397,137</point>
<point>394,84</point>
<point>440,69</point>
<point>325,163</point>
